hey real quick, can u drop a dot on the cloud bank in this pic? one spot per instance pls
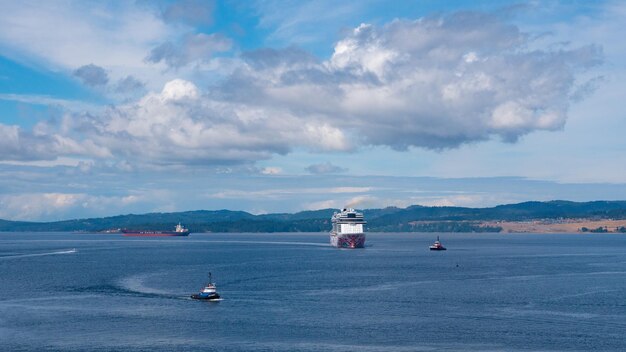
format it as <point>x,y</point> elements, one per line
<point>48,206</point>
<point>437,82</point>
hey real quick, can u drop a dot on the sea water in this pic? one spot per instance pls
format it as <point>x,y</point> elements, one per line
<point>292,292</point>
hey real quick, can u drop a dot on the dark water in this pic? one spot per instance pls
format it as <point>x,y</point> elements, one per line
<point>291,292</point>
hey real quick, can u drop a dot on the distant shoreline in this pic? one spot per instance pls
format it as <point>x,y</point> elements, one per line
<point>543,226</point>
<point>529,217</point>
<point>560,226</point>
<point>540,226</point>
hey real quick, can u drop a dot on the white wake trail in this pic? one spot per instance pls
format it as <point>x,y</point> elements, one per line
<point>68,251</point>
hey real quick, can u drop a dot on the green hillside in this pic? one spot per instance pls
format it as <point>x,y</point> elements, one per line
<point>435,219</point>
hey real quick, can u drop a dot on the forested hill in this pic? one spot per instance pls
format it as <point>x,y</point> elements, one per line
<point>388,219</point>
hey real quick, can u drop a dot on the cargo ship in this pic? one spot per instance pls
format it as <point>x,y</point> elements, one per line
<point>347,229</point>
<point>179,231</point>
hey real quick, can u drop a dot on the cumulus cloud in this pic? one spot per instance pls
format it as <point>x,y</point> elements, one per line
<point>191,48</point>
<point>92,75</point>
<point>15,144</point>
<point>181,125</point>
<point>436,82</point>
<point>177,125</point>
<point>325,168</point>
<point>19,145</point>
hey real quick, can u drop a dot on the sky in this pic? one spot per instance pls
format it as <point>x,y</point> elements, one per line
<point>117,107</point>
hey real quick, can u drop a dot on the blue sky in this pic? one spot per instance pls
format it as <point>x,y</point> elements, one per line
<point>280,106</point>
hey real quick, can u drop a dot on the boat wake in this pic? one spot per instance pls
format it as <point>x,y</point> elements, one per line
<point>391,286</point>
<point>27,255</point>
<point>136,285</point>
<point>312,244</point>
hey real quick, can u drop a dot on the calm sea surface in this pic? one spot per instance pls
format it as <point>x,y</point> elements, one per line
<point>291,292</point>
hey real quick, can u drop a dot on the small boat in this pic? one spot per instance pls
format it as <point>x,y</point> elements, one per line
<point>437,246</point>
<point>208,293</point>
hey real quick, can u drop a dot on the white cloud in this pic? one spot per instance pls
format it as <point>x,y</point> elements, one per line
<point>180,125</point>
<point>286,192</point>
<point>358,202</point>
<point>324,204</point>
<point>436,82</point>
<point>179,89</point>
<point>19,145</point>
<point>437,198</point>
<point>100,190</point>
<point>461,200</point>
<point>74,105</point>
<point>115,36</point>
<point>52,206</point>
<point>70,34</point>
<point>348,190</point>
<point>271,171</point>
<point>298,22</point>
<point>444,81</point>
<point>364,201</point>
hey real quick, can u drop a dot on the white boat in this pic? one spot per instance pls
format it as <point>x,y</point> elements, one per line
<point>209,292</point>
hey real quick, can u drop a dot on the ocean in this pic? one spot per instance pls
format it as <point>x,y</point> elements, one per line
<point>292,292</point>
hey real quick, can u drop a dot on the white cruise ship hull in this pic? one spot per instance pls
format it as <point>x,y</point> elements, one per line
<point>348,240</point>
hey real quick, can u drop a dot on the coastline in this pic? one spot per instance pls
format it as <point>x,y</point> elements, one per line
<point>559,226</point>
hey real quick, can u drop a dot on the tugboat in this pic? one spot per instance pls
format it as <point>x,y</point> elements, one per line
<point>208,293</point>
<point>437,246</point>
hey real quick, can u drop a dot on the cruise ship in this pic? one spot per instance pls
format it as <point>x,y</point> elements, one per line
<point>347,229</point>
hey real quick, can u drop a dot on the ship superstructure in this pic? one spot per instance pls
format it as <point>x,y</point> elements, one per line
<point>348,229</point>
<point>209,292</point>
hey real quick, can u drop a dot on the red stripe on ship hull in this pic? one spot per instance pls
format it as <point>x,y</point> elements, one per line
<point>131,234</point>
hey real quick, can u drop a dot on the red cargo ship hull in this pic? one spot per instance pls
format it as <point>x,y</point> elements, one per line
<point>153,233</point>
